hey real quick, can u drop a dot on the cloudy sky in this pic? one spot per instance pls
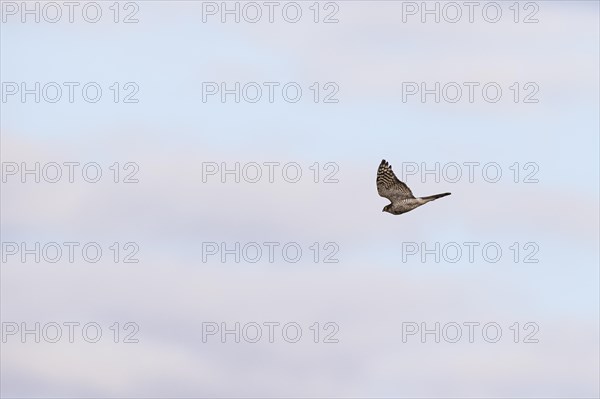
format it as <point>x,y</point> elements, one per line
<point>516,252</point>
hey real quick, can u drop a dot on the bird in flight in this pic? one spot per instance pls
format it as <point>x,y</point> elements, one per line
<point>403,200</point>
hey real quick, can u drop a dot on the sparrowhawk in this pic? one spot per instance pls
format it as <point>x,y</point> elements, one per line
<point>402,199</point>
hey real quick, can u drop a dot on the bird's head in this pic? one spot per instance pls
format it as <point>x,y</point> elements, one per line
<point>386,208</point>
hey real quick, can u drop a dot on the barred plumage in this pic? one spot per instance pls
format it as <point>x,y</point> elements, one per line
<point>402,199</point>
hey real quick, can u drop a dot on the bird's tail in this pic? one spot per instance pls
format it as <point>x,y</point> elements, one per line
<point>434,197</point>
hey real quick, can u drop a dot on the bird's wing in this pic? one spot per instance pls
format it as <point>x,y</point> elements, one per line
<point>388,185</point>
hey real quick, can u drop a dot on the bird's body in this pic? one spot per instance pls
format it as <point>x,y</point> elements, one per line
<point>402,199</point>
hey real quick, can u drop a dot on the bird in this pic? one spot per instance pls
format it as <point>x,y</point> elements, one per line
<point>402,199</point>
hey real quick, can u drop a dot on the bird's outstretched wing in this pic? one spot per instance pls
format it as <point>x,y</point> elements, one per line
<point>388,185</point>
